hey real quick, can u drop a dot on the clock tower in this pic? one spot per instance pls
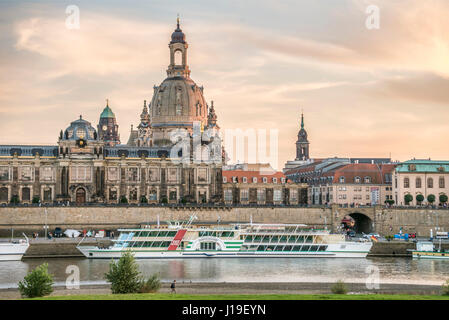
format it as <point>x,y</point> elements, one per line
<point>108,128</point>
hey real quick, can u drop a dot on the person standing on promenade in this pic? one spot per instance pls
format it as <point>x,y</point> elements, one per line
<point>173,286</point>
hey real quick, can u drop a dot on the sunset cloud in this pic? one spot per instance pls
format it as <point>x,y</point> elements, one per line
<point>363,92</point>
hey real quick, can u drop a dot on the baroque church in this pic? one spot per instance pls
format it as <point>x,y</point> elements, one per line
<point>174,155</point>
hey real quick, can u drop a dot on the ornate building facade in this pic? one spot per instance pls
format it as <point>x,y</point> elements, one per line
<point>90,165</point>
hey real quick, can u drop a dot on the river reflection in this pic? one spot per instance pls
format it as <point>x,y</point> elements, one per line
<point>391,270</point>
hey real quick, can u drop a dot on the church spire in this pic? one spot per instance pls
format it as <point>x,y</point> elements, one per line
<point>178,49</point>
<point>302,120</point>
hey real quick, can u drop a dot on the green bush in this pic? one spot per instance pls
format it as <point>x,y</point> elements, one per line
<point>431,198</point>
<point>15,199</point>
<point>390,202</point>
<point>445,288</point>
<point>153,284</point>
<point>143,199</point>
<point>164,200</point>
<point>35,199</point>
<point>408,198</point>
<point>183,200</point>
<point>420,198</point>
<point>124,275</point>
<point>37,283</point>
<point>339,287</point>
<point>123,199</point>
<point>443,198</point>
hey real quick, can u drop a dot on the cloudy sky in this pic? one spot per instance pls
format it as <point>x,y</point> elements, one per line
<point>364,92</point>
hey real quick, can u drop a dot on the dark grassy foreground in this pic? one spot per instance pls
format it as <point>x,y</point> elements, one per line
<point>168,296</point>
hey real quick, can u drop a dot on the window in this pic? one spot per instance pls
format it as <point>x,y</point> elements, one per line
<point>282,180</point>
<point>260,194</point>
<point>234,179</point>
<point>133,194</point>
<point>418,183</point>
<point>293,194</point>
<point>133,174</point>
<point>47,194</point>
<point>429,183</point>
<point>153,195</point>
<point>4,173</point>
<point>245,180</point>
<point>112,194</point>
<point>113,174</point>
<point>342,180</point>
<point>172,195</point>
<point>264,180</point>
<point>224,180</point>
<point>254,180</point>
<point>357,180</point>
<point>277,195</point>
<point>441,182</point>
<point>406,183</point>
<point>26,174</point>
<point>153,174</point>
<point>228,195</point>
<point>367,179</point>
<point>47,174</point>
<point>244,195</point>
<point>275,180</point>
<point>80,174</point>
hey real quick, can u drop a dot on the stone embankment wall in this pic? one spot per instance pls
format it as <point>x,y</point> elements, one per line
<point>30,219</point>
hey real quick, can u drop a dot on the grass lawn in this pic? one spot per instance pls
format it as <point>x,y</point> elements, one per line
<point>167,296</point>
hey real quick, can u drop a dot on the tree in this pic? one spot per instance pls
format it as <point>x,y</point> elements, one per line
<point>408,198</point>
<point>164,200</point>
<point>15,199</point>
<point>35,199</point>
<point>124,275</point>
<point>143,199</point>
<point>419,198</point>
<point>123,199</point>
<point>389,201</point>
<point>431,198</point>
<point>37,283</point>
<point>443,198</point>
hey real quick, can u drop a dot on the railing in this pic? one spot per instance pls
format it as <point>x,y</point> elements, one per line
<point>209,205</point>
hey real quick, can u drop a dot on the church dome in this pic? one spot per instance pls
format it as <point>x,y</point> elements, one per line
<point>107,113</point>
<point>178,36</point>
<point>80,129</point>
<point>178,101</point>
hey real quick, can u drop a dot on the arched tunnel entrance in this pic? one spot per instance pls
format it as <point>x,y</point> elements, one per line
<point>362,223</point>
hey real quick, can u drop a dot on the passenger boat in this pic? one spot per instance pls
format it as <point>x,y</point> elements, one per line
<point>232,241</point>
<point>13,250</point>
<point>427,250</point>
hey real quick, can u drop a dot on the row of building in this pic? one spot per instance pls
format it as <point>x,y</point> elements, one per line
<point>91,165</point>
<point>368,181</point>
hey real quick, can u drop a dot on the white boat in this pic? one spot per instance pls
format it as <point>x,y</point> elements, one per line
<point>233,241</point>
<point>13,250</point>
<point>427,250</point>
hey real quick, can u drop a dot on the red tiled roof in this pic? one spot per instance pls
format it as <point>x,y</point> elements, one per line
<point>362,170</point>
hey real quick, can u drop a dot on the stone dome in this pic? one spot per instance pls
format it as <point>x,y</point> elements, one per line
<point>178,36</point>
<point>80,129</point>
<point>177,102</point>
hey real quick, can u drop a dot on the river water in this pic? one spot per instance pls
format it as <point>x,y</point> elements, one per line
<point>390,270</point>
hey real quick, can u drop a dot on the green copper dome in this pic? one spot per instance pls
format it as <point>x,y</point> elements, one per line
<point>107,113</point>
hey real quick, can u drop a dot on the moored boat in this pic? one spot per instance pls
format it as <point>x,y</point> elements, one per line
<point>427,250</point>
<point>232,241</point>
<point>13,250</point>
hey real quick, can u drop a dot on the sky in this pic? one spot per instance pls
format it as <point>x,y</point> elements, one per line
<point>364,92</point>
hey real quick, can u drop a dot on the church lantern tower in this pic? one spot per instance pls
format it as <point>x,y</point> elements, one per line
<point>302,144</point>
<point>108,128</point>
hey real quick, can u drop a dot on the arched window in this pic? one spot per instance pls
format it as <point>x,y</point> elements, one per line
<point>357,180</point>
<point>367,179</point>
<point>342,179</point>
<point>418,183</point>
<point>406,183</point>
<point>178,58</point>
<point>429,183</point>
<point>441,182</point>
